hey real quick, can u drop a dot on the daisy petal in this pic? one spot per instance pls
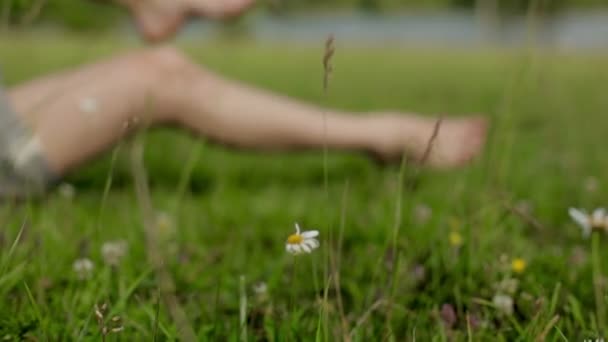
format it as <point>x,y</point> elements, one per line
<point>297,228</point>
<point>305,247</point>
<point>310,234</point>
<point>313,243</point>
<point>599,214</point>
<point>310,244</point>
<point>580,217</point>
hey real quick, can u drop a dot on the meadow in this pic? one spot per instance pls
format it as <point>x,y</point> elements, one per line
<point>485,252</point>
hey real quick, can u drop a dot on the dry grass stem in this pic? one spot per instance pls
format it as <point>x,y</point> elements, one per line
<point>431,142</point>
<point>115,323</point>
<point>328,68</point>
<point>548,327</point>
<point>166,283</point>
<point>366,315</point>
<point>526,217</point>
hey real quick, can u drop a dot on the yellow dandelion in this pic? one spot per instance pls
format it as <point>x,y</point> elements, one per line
<point>455,239</point>
<point>518,265</point>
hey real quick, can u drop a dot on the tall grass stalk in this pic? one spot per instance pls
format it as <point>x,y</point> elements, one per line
<point>165,281</point>
<point>186,174</point>
<point>243,309</point>
<point>598,284</point>
<point>393,242</point>
<point>328,54</point>
<point>106,188</point>
<point>36,309</point>
<point>327,71</point>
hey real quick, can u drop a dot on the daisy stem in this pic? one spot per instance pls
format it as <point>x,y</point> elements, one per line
<point>292,303</point>
<point>597,282</point>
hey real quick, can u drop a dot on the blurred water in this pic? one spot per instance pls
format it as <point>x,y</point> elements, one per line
<point>568,30</point>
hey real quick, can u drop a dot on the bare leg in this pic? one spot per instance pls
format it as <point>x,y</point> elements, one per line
<point>91,106</point>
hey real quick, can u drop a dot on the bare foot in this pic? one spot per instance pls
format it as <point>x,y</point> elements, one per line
<point>458,141</point>
<point>158,20</point>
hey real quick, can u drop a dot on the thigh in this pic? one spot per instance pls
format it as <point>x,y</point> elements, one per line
<point>30,97</point>
<point>81,112</point>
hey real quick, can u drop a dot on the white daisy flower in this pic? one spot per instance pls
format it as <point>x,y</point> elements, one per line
<point>302,242</point>
<point>588,222</point>
<point>83,268</point>
<point>504,303</point>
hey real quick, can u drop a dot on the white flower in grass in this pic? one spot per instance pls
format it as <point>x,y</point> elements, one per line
<point>113,252</point>
<point>422,213</point>
<point>504,303</point>
<point>67,191</point>
<point>588,222</point>
<point>260,288</point>
<point>166,226</point>
<point>83,268</point>
<point>302,242</point>
<point>591,184</point>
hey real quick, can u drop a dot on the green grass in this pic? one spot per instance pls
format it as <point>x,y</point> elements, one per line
<point>549,118</point>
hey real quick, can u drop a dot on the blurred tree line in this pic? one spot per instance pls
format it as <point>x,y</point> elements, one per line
<point>73,14</point>
<point>514,6</point>
<point>96,14</point>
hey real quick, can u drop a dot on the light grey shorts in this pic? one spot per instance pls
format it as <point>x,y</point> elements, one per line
<point>23,169</point>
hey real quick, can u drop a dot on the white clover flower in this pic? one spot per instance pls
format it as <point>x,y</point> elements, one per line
<point>302,242</point>
<point>504,303</point>
<point>164,221</point>
<point>588,222</point>
<point>114,251</point>
<point>83,268</point>
<point>165,225</point>
<point>67,191</point>
<point>260,289</point>
<point>422,213</point>
<point>508,285</point>
<point>591,184</point>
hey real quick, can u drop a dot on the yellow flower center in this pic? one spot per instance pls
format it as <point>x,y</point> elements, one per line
<point>596,224</point>
<point>295,239</point>
<point>455,239</point>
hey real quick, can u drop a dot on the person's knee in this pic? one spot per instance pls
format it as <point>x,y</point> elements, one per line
<point>168,62</point>
<point>167,75</point>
